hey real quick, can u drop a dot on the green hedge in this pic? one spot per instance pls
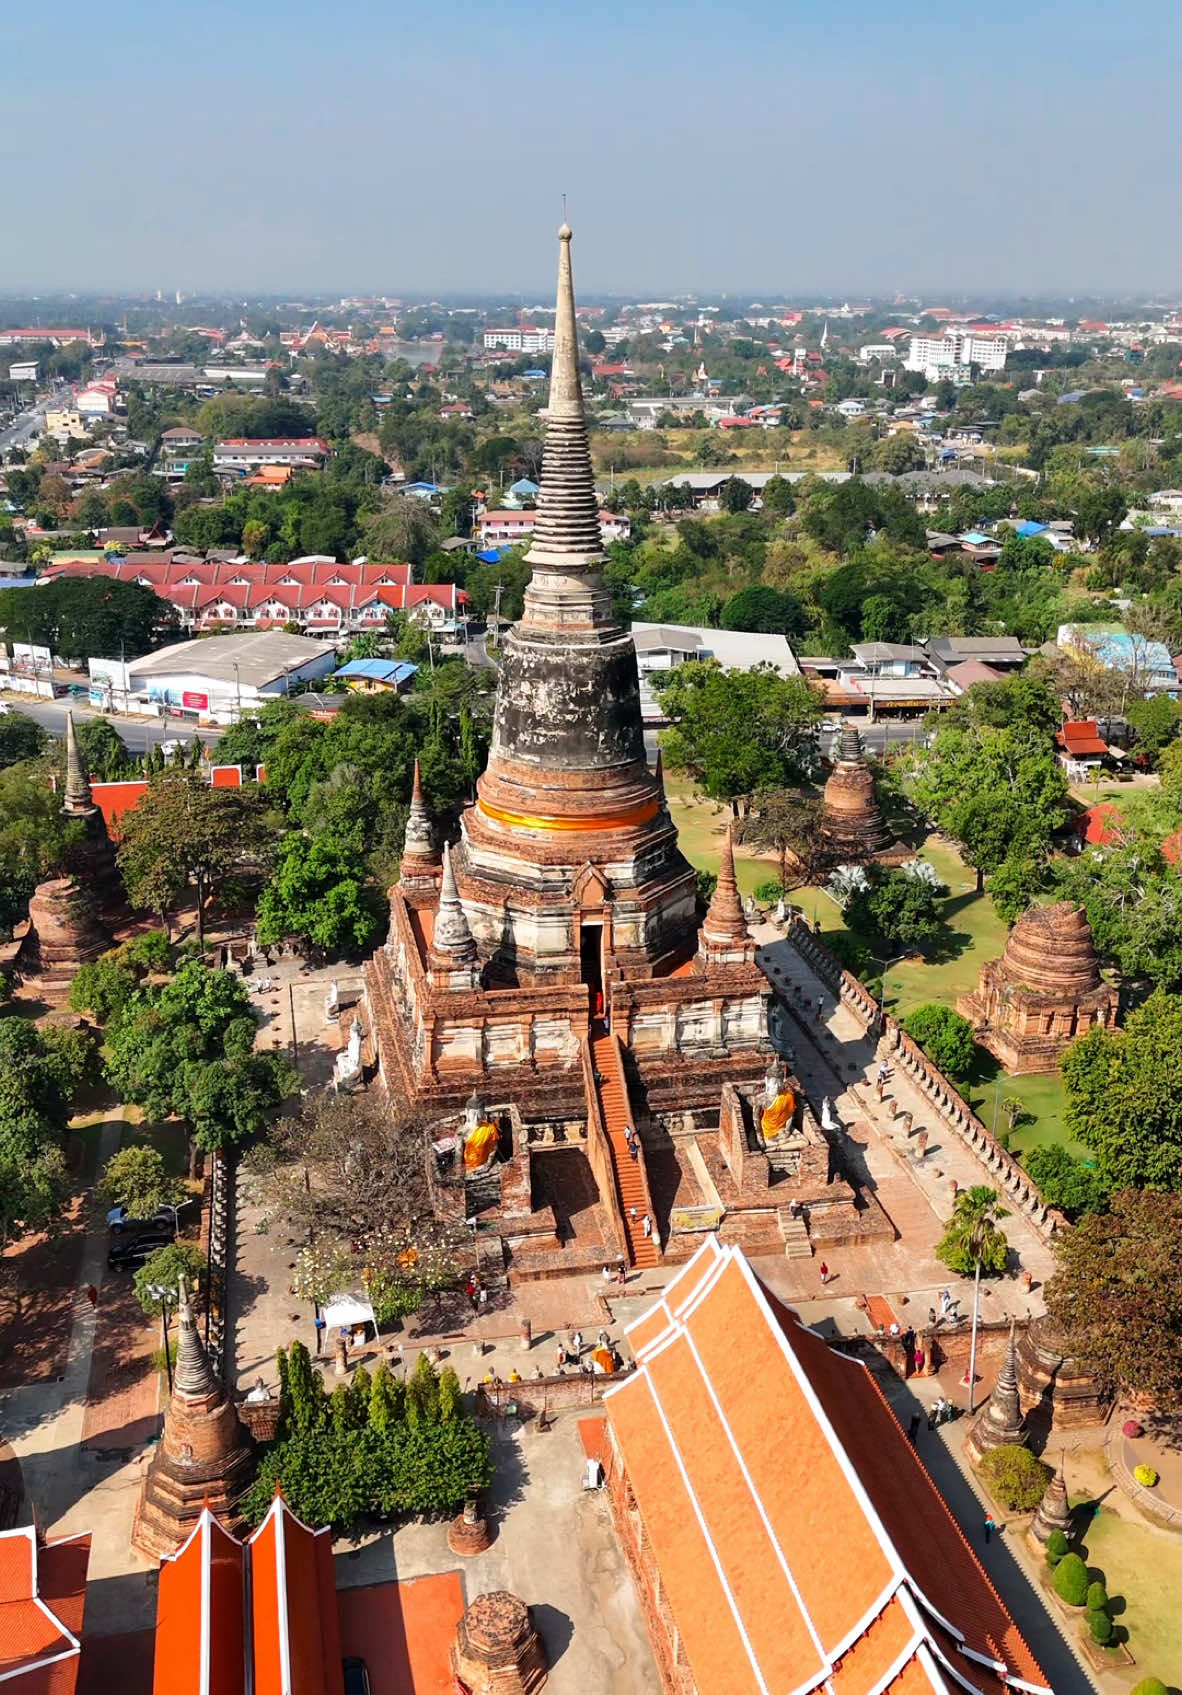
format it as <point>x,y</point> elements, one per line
<point>1057,1546</point>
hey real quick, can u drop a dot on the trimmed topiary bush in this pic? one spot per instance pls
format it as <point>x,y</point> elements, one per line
<point>1132,1429</point>
<point>1071,1580</point>
<point>1097,1598</point>
<point>1017,1477</point>
<point>1100,1626</point>
<point>1150,1686</point>
<point>1145,1476</point>
<point>945,1036</point>
<point>1057,1546</point>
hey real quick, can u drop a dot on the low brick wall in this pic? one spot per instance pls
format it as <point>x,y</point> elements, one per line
<point>950,1106</point>
<point>533,1395</point>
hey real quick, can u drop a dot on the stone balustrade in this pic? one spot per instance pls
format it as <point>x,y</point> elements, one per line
<point>950,1106</point>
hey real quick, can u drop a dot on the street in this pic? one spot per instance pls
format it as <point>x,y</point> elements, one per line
<point>138,733</point>
<point>24,428</point>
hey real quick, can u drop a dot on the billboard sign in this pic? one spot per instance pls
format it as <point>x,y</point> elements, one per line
<point>196,702</point>
<point>31,661</point>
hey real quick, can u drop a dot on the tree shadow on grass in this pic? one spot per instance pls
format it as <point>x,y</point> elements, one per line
<point>949,946</point>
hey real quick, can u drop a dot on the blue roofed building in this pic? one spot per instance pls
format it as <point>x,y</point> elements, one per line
<point>367,676</point>
<point>1147,662</point>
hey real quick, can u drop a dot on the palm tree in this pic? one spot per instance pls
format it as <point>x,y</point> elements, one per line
<point>972,1239</point>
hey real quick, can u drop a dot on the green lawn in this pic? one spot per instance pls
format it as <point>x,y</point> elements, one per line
<point>1142,1567</point>
<point>976,934</point>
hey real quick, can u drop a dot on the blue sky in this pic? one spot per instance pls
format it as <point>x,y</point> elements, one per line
<point>786,147</point>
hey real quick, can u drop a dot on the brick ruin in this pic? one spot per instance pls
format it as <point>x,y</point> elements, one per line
<point>554,959</point>
<point>1042,993</point>
<point>71,917</point>
<point>853,828</point>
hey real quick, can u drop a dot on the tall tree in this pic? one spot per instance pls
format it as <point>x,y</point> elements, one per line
<point>1117,1297</point>
<point>185,832</point>
<point>736,731</point>
<point>1124,1096</point>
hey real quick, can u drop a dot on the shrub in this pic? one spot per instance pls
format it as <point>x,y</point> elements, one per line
<point>945,1037</point>
<point>1150,1686</point>
<point>1145,1476</point>
<point>1132,1429</point>
<point>163,1270</point>
<point>1100,1626</point>
<point>767,894</point>
<point>1057,1546</point>
<point>1071,1580</point>
<point>1017,1477</point>
<point>1097,1598</point>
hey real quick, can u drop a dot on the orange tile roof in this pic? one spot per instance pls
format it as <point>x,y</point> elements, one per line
<point>42,1598</point>
<point>799,1539</point>
<point>290,1633</point>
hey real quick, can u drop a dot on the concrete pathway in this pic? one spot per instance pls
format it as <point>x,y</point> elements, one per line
<point>72,1488</point>
<point>835,1057</point>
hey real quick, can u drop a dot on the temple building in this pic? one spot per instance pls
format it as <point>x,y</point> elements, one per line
<point>42,1603</point>
<point>1042,993</point>
<point>783,1532</point>
<point>554,960</point>
<point>258,1615</point>
<point>853,828</point>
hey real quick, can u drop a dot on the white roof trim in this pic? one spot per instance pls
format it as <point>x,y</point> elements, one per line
<point>706,1538</point>
<point>826,1662</point>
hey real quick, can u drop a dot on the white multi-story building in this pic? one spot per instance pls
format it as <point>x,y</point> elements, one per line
<point>952,354</point>
<point>522,339</point>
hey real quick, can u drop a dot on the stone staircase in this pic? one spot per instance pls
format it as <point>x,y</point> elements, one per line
<point>630,1176</point>
<point>796,1237</point>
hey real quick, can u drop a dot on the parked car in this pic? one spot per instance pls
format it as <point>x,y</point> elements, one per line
<point>120,1221</point>
<point>356,1675</point>
<point>129,1256</point>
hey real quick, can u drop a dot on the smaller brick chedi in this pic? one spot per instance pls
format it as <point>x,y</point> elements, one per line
<point>205,1458</point>
<point>853,829</point>
<point>1045,990</point>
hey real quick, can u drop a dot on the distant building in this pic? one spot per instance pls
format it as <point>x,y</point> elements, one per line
<point>954,353</point>
<point>212,680</point>
<point>23,372</point>
<point>64,422</point>
<point>377,676</point>
<point>661,648</point>
<point>525,338</point>
<point>506,526</point>
<point>239,453</point>
<point>56,337</point>
<point>1148,663</point>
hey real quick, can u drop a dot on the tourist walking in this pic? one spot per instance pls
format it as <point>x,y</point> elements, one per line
<point>913,1427</point>
<point>321,1327</point>
<point>576,1342</point>
<point>607,1274</point>
<point>824,1274</point>
<point>989,1527</point>
<point>92,1296</point>
<point>648,1226</point>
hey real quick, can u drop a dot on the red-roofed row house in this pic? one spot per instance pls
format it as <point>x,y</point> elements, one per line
<point>317,595</point>
<point>784,1533</point>
<point>42,1600</point>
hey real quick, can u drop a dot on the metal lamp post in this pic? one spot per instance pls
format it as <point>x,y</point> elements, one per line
<point>161,1294</point>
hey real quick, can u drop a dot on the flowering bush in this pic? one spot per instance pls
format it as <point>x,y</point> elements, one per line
<point>847,881</point>
<point>1131,1428</point>
<point>1145,1476</point>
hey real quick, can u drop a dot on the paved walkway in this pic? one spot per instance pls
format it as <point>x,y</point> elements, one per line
<point>835,1057</point>
<point>73,1487</point>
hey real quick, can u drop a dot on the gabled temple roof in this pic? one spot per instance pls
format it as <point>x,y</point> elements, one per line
<point>42,1599</point>
<point>258,1615</point>
<point>800,1541</point>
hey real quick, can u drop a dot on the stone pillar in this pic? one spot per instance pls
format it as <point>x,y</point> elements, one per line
<point>496,1650</point>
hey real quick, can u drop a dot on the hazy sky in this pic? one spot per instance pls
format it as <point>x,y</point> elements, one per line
<point>769,145</point>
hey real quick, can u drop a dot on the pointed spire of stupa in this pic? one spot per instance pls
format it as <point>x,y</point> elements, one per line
<point>421,858</point>
<point>452,935</point>
<point>566,533</point>
<point>659,770</point>
<point>193,1377</point>
<point>724,934</point>
<point>999,1423</point>
<point>851,744</point>
<point>77,801</point>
